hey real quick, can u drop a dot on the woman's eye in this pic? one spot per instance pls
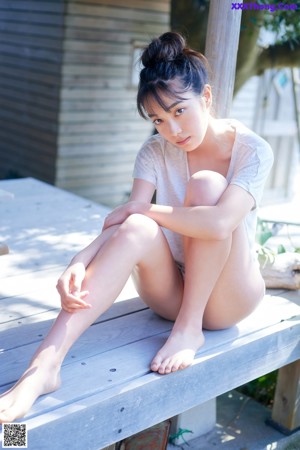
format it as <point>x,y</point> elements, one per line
<point>180,111</point>
<point>157,122</point>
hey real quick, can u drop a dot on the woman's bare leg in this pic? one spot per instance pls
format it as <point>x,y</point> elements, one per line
<point>222,284</point>
<point>137,242</point>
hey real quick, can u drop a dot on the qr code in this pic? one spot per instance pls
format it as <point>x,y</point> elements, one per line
<point>14,435</point>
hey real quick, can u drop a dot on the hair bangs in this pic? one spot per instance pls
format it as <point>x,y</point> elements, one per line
<point>158,91</point>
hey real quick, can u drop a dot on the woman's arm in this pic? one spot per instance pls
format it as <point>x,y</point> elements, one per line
<point>208,222</point>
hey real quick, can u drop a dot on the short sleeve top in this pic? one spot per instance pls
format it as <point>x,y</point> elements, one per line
<point>166,167</point>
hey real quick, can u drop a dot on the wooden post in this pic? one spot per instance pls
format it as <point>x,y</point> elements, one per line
<point>221,49</point>
<point>286,408</point>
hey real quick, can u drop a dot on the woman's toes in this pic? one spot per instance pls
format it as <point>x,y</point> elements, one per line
<point>155,364</point>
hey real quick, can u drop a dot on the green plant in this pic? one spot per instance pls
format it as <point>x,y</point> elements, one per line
<point>266,230</point>
<point>262,389</point>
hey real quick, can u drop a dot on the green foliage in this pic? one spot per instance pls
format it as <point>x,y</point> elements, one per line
<point>264,231</point>
<point>262,389</point>
<point>283,22</point>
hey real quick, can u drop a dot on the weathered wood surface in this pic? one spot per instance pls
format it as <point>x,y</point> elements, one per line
<point>108,391</point>
<point>286,411</point>
<point>283,272</point>
<point>222,38</point>
<point>65,88</point>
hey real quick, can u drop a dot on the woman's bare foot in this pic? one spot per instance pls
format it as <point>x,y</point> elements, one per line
<point>36,381</point>
<point>179,350</point>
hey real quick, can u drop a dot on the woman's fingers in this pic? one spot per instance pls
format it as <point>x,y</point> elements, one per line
<point>72,303</point>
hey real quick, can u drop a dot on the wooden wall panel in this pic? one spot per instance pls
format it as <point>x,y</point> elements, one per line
<point>31,36</point>
<point>68,111</point>
<point>100,130</point>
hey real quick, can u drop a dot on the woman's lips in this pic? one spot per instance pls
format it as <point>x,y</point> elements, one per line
<point>184,141</point>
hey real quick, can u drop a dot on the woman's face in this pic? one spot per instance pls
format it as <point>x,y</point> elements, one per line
<point>184,123</point>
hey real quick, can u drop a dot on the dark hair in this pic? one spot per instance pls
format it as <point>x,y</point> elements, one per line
<point>165,59</point>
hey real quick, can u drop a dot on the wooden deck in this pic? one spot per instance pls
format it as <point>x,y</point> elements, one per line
<point>108,391</point>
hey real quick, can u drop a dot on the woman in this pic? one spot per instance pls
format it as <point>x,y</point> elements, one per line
<point>197,240</point>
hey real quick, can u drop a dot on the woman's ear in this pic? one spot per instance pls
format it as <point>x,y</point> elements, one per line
<point>207,95</point>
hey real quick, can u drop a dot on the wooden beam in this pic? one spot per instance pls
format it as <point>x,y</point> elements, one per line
<point>222,41</point>
<point>286,409</point>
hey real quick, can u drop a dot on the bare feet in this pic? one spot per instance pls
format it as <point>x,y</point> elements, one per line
<point>16,402</point>
<point>179,350</point>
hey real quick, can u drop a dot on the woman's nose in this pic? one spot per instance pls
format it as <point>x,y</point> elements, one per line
<point>175,128</point>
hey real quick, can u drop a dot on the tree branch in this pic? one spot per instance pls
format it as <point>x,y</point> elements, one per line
<point>278,56</point>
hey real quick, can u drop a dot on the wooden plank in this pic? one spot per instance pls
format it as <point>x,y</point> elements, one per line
<point>29,328</point>
<point>34,53</point>
<point>29,130</point>
<point>99,339</point>
<point>143,324</point>
<point>32,29</point>
<point>59,241</point>
<point>50,7</point>
<point>121,13</point>
<point>21,284</point>
<point>108,126</point>
<point>117,60</point>
<point>141,134</point>
<point>109,194</point>
<point>38,96</point>
<point>286,407</point>
<point>31,109</point>
<point>26,77</point>
<point>20,39</point>
<point>33,121</point>
<point>99,161</point>
<point>95,105</point>
<point>161,6</point>
<point>86,221</point>
<point>53,241</point>
<point>109,35</point>
<point>39,206</point>
<point>140,395</point>
<point>30,303</point>
<point>97,116</point>
<point>28,89</point>
<point>111,24</point>
<point>37,17</point>
<point>101,168</point>
<point>95,70</point>
<point>99,95</point>
<point>38,65</point>
<point>83,81</point>
<point>110,47</point>
<point>93,149</point>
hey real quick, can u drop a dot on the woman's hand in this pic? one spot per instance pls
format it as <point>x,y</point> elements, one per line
<point>69,288</point>
<point>118,215</point>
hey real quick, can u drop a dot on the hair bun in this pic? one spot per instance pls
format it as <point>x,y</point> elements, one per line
<point>166,48</point>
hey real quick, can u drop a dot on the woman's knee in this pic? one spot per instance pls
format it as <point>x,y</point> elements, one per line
<point>139,227</point>
<point>205,188</point>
